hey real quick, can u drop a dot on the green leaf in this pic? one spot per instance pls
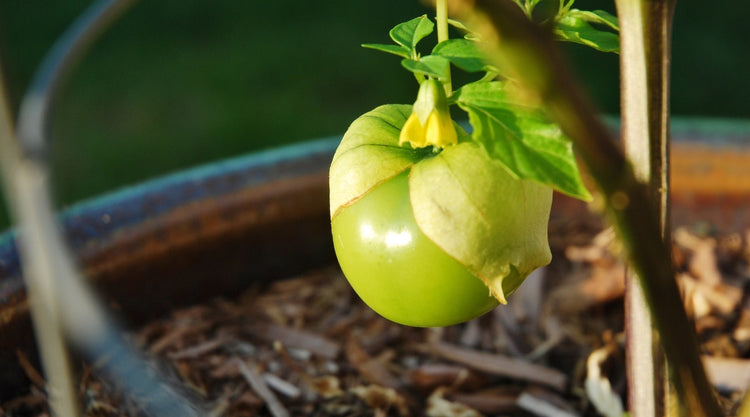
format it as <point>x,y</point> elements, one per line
<point>408,34</point>
<point>599,17</point>
<point>468,33</point>
<point>472,208</point>
<point>575,27</point>
<point>391,49</point>
<point>462,53</point>
<point>430,65</point>
<point>369,154</point>
<point>521,138</point>
<point>459,25</point>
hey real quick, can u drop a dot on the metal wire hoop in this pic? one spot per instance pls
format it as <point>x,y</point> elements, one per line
<point>37,104</point>
<point>82,318</point>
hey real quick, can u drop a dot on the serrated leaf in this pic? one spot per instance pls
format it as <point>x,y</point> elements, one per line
<point>369,154</point>
<point>408,34</point>
<point>462,53</point>
<point>521,138</point>
<point>574,28</point>
<point>391,49</point>
<point>472,208</point>
<point>430,65</point>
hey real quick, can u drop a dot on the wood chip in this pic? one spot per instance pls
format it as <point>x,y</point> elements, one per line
<point>722,298</point>
<point>327,386</point>
<point>702,263</point>
<point>541,404</point>
<point>281,386</point>
<point>258,385</point>
<point>31,372</point>
<point>382,398</point>
<point>176,334</point>
<point>438,406</point>
<point>197,350</point>
<point>488,401</point>
<point>295,338</point>
<point>430,376</point>
<point>741,331</point>
<point>370,368</point>
<point>731,374</point>
<point>600,285</point>
<point>500,365</point>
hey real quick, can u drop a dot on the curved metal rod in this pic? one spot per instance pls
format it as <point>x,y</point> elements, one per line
<point>36,106</point>
<point>61,302</point>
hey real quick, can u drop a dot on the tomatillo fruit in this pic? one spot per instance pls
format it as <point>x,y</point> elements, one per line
<point>431,237</point>
<point>396,269</point>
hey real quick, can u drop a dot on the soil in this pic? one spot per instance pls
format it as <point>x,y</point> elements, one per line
<point>307,346</point>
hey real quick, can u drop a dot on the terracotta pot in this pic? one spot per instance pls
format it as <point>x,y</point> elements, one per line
<point>216,229</point>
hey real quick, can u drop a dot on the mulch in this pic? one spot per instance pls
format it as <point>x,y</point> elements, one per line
<point>307,346</point>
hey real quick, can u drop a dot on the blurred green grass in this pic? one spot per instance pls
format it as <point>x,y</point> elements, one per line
<point>174,84</point>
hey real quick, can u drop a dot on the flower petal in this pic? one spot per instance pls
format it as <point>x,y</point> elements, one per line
<point>412,132</point>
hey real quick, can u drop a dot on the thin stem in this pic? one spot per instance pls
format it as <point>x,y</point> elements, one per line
<point>19,180</point>
<point>529,54</point>
<point>441,7</point>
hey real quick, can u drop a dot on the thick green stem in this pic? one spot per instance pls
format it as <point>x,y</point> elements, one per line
<point>527,53</point>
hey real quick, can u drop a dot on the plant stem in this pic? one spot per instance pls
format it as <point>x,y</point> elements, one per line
<point>20,180</point>
<point>527,52</point>
<point>644,66</point>
<point>441,7</point>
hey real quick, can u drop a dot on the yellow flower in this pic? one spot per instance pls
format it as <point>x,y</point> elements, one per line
<point>430,122</point>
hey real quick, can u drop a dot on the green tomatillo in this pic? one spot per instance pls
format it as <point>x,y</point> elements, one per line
<point>433,226</point>
<point>431,235</point>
